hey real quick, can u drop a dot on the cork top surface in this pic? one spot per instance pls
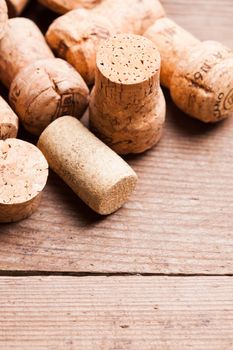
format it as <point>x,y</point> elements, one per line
<point>23,171</point>
<point>128,59</point>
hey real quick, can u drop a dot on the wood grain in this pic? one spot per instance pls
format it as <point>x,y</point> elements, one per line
<point>179,220</point>
<point>116,313</point>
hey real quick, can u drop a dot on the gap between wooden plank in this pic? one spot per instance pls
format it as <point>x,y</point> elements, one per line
<point>15,273</point>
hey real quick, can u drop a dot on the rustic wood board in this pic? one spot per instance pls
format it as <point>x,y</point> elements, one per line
<point>113,313</point>
<point>178,221</point>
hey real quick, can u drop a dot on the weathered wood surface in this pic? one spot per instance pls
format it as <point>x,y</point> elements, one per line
<point>179,219</point>
<point>116,313</point>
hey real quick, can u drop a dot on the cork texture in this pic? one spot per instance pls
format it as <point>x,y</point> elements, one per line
<point>23,44</point>
<point>9,123</point>
<point>96,174</point>
<point>172,42</point>
<point>23,176</point>
<point>3,18</point>
<point>127,107</point>
<point>77,35</point>
<point>202,85</point>
<point>16,7</point>
<point>63,6</point>
<point>54,89</point>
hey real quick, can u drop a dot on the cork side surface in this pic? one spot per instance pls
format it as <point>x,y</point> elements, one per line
<point>54,89</point>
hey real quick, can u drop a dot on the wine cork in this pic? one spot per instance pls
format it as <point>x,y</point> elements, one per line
<point>63,6</point>
<point>76,35</point>
<point>23,44</point>
<point>173,42</point>
<point>23,176</point>
<point>3,18</point>
<point>54,89</point>
<point>95,173</point>
<point>198,74</point>
<point>8,121</point>
<point>127,107</point>
<point>202,85</point>
<point>16,7</point>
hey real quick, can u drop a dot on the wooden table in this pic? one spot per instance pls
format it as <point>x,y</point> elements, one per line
<point>155,275</point>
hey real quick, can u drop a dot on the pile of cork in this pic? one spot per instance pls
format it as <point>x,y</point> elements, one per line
<point>110,58</point>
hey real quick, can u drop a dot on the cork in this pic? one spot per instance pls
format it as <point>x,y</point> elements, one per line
<point>63,6</point>
<point>54,89</point>
<point>16,7</point>
<point>3,18</point>
<point>198,74</point>
<point>102,179</point>
<point>76,35</point>
<point>23,176</point>
<point>127,107</point>
<point>173,42</point>
<point>23,44</point>
<point>8,121</point>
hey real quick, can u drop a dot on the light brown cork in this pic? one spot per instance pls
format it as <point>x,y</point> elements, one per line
<point>76,35</point>
<point>102,179</point>
<point>23,44</point>
<point>63,6</point>
<point>172,42</point>
<point>127,107</point>
<point>198,74</point>
<point>46,90</point>
<point>23,176</point>
<point>3,18</point>
<point>9,123</point>
<point>202,85</point>
<point>16,7</point>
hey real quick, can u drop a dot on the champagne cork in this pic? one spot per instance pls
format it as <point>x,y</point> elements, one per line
<point>95,173</point>
<point>173,42</point>
<point>198,74</point>
<point>63,6</point>
<point>8,121</point>
<point>3,18</point>
<point>23,44</point>
<point>76,35</point>
<point>54,89</point>
<point>23,176</point>
<point>16,7</point>
<point>127,107</point>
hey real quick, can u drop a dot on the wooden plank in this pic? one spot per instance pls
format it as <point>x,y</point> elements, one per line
<point>116,313</point>
<point>208,20</point>
<point>179,219</point>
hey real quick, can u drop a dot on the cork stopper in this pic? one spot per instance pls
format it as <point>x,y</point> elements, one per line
<point>16,7</point>
<point>22,44</point>
<point>95,173</point>
<point>3,18</point>
<point>173,42</point>
<point>23,176</point>
<point>54,89</point>
<point>127,108</point>
<point>8,121</point>
<point>130,16</point>
<point>77,35</point>
<point>128,60</point>
<point>202,85</point>
<point>61,6</point>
